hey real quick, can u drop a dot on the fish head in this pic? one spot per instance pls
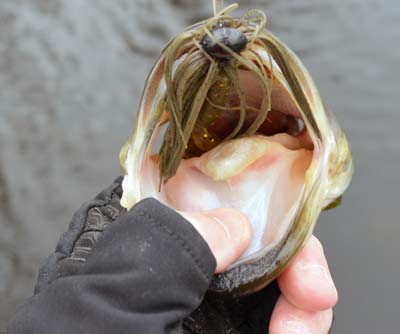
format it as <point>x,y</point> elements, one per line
<point>231,118</point>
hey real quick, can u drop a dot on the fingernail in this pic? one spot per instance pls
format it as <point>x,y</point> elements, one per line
<point>232,223</point>
<point>325,316</point>
<point>295,327</point>
<point>317,271</point>
<point>226,231</point>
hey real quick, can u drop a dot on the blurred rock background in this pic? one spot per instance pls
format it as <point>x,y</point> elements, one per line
<point>71,75</point>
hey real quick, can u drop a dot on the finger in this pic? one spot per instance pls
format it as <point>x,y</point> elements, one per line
<point>226,231</point>
<point>288,319</point>
<point>307,282</point>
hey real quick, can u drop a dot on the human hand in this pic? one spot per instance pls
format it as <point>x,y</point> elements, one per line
<point>303,307</point>
<point>308,291</point>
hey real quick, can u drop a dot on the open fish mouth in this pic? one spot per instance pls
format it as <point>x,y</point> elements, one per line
<point>262,175</point>
<point>230,118</point>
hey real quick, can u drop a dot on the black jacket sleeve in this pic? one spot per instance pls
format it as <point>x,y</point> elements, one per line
<point>143,273</point>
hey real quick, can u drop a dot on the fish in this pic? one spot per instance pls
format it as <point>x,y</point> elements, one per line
<point>231,118</point>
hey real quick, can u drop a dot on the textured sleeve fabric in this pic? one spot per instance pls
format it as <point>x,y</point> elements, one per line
<point>146,272</point>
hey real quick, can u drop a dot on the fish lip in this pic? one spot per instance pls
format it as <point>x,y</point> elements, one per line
<point>246,278</point>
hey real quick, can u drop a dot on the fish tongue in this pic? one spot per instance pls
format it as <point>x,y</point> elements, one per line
<point>233,157</point>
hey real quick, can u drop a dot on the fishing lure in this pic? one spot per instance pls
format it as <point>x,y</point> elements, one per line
<point>230,117</point>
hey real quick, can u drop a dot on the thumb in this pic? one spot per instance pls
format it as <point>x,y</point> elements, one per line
<point>226,231</point>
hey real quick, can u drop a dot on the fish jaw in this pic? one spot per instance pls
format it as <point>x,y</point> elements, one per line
<point>263,177</point>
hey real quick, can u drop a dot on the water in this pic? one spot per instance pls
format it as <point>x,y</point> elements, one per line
<point>70,81</point>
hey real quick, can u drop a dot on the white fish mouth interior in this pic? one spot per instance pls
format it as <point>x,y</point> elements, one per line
<point>262,175</point>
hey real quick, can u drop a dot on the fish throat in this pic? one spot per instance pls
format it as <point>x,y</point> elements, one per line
<point>205,85</point>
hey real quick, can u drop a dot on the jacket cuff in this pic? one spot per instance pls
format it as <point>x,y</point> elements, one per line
<point>180,230</point>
